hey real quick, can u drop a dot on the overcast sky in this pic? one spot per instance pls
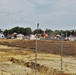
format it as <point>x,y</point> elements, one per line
<point>50,14</point>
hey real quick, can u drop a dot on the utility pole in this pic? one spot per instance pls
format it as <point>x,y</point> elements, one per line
<point>61,52</point>
<point>8,34</point>
<point>66,35</point>
<point>36,69</point>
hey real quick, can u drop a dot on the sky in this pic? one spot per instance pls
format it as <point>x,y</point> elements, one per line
<point>50,14</point>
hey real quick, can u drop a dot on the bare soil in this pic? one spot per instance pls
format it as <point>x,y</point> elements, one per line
<point>17,57</point>
<point>49,46</point>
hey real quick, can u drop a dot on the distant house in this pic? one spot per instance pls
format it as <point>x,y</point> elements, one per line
<point>44,36</point>
<point>32,37</point>
<point>1,35</point>
<point>52,36</point>
<point>57,37</point>
<point>14,35</point>
<point>20,36</point>
<point>72,38</point>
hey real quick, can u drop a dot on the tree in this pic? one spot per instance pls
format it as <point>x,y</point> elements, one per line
<point>19,30</point>
<point>28,31</point>
<point>38,31</point>
<point>16,29</point>
<point>48,31</point>
<point>67,33</point>
<point>6,32</point>
<point>0,30</point>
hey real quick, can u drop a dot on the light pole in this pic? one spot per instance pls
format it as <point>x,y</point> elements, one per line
<point>74,33</point>
<point>66,35</point>
<point>8,34</point>
<point>36,49</point>
<point>61,52</point>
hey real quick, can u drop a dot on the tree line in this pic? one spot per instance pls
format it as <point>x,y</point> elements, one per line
<point>28,31</point>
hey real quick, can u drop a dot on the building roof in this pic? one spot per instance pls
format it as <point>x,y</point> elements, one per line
<point>20,35</point>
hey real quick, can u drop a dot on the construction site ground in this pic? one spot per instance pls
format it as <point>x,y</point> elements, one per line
<point>17,57</point>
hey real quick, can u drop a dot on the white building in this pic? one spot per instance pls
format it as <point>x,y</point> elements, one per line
<point>32,37</point>
<point>20,36</point>
<point>72,38</point>
<point>1,35</point>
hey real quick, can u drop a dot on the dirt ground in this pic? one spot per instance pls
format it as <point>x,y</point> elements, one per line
<point>17,59</point>
<point>44,46</point>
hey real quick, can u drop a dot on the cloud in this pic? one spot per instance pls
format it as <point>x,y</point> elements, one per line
<point>15,10</point>
<point>55,14</point>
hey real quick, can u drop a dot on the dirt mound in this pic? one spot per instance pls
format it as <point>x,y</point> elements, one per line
<point>13,60</point>
<point>27,64</point>
<point>4,73</point>
<point>40,68</point>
